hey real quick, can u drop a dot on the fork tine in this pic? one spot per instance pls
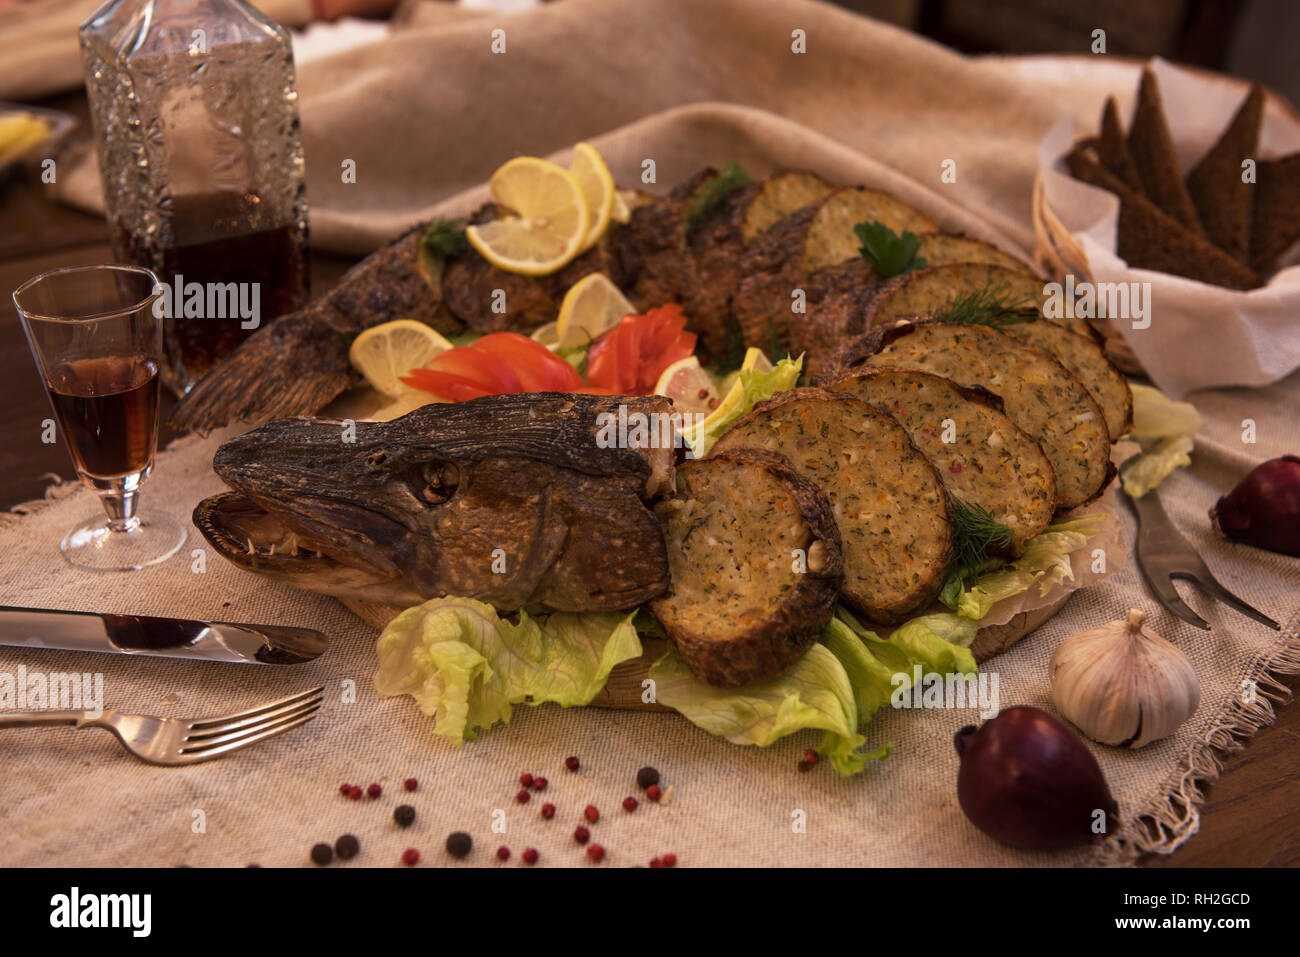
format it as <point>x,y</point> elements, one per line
<point>258,717</point>
<point>190,744</point>
<point>192,757</point>
<point>207,723</point>
<point>1211,585</point>
<point>1163,586</point>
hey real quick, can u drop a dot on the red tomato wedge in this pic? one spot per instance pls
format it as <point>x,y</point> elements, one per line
<point>630,358</point>
<point>497,364</point>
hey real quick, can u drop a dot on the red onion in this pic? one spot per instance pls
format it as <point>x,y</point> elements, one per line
<point>1029,781</point>
<point>1264,509</point>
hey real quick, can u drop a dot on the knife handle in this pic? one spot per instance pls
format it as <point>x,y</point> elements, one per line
<point>42,719</point>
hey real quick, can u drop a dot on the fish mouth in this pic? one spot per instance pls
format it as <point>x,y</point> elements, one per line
<point>258,539</point>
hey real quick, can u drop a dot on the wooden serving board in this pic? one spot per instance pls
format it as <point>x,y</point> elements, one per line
<point>623,690</point>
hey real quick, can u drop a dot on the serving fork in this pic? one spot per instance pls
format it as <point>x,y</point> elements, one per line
<point>184,741</point>
<point>1164,555</point>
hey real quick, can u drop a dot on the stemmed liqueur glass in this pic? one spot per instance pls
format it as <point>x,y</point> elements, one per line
<point>97,341</point>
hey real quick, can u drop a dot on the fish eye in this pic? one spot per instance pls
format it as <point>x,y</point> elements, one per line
<point>439,480</point>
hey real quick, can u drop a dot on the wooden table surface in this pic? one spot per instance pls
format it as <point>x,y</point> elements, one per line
<point>1251,815</point>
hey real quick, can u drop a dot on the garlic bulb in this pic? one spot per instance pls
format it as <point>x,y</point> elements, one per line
<point>1121,684</point>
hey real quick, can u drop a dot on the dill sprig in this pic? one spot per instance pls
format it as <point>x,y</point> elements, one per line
<point>712,194</point>
<point>975,532</point>
<point>988,307</point>
<point>445,237</point>
<point>889,253</point>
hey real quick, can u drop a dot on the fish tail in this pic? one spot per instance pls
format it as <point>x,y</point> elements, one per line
<point>294,366</point>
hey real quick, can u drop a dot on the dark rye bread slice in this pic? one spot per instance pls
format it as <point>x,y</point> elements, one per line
<point>1038,393</point>
<point>1148,239</point>
<point>1152,148</point>
<point>895,526</point>
<point>740,608</point>
<point>1082,356</point>
<point>1276,224</point>
<point>983,458</point>
<point>1113,148</point>
<point>1222,198</point>
<point>820,235</point>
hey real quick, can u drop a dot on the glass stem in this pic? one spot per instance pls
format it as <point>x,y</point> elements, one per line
<point>120,505</point>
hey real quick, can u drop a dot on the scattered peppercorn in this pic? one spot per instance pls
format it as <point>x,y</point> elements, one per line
<point>539,784</point>
<point>344,789</point>
<point>404,815</point>
<point>810,755</point>
<point>646,777</point>
<point>548,811</point>
<point>669,860</point>
<point>410,857</point>
<point>374,790</point>
<point>629,803</point>
<point>590,813</point>
<point>526,780</point>
<point>654,792</point>
<point>503,853</point>
<point>410,784</point>
<point>530,856</point>
<point>347,847</point>
<point>354,792</point>
<point>523,797</point>
<point>656,862</point>
<point>571,763</point>
<point>459,844</point>
<point>322,854</point>
<point>596,853</point>
<point>581,834</point>
<point>804,767</point>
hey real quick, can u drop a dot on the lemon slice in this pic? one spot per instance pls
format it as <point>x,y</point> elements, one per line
<point>547,336</point>
<point>550,224</point>
<point>597,185</point>
<point>620,212</point>
<point>690,387</point>
<point>592,306</point>
<point>389,350</point>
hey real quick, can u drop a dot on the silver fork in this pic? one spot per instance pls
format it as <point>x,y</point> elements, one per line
<point>180,741</point>
<point>1164,554</point>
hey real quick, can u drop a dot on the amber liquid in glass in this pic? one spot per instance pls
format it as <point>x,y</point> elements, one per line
<point>108,409</point>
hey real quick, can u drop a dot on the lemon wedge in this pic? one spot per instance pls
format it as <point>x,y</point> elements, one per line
<point>589,169</point>
<point>592,306</point>
<point>690,386</point>
<point>733,396</point>
<point>621,212</point>
<point>550,224</point>
<point>385,352</point>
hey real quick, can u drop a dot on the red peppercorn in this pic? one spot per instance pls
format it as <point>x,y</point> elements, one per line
<point>571,763</point>
<point>345,789</point>
<point>656,862</point>
<point>503,853</point>
<point>669,860</point>
<point>410,856</point>
<point>410,784</point>
<point>374,790</point>
<point>548,811</point>
<point>654,792</point>
<point>530,856</point>
<point>596,853</point>
<point>810,755</point>
<point>523,797</point>
<point>629,803</point>
<point>526,780</point>
<point>590,813</point>
<point>581,834</point>
<point>539,784</point>
<point>354,792</point>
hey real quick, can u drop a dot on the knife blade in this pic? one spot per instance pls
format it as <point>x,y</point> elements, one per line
<point>160,637</point>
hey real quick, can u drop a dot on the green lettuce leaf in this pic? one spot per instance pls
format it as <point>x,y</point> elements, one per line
<point>755,386</point>
<point>1165,429</point>
<point>1045,562</point>
<point>814,692</point>
<point>466,666</point>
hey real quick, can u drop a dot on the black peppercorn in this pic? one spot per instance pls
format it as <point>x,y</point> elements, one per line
<point>459,844</point>
<point>404,815</point>
<point>646,777</point>
<point>322,854</point>
<point>347,847</point>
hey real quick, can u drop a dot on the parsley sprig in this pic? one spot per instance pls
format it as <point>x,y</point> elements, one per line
<point>889,253</point>
<point>445,237</point>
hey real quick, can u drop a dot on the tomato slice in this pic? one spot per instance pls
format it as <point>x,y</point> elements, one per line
<point>537,368</point>
<point>630,358</point>
<point>496,364</point>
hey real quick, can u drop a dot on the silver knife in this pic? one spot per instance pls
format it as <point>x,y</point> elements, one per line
<point>161,637</point>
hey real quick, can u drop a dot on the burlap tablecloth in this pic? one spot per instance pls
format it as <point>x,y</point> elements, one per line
<point>428,115</point>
